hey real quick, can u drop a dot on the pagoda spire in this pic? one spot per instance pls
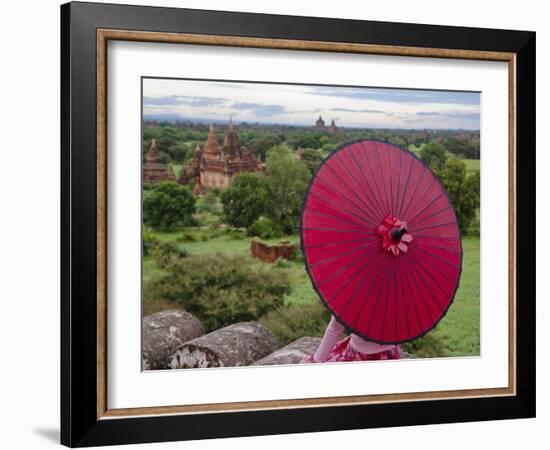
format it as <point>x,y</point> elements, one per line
<point>153,154</point>
<point>212,147</point>
<point>231,144</point>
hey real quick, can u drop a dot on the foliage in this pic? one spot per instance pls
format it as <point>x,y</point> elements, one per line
<point>294,321</point>
<point>287,182</point>
<point>219,289</point>
<point>169,205</point>
<point>311,158</point>
<point>433,154</point>
<point>149,242</point>
<point>458,332</point>
<point>261,145</point>
<point>187,237</point>
<point>236,234</point>
<point>245,200</point>
<point>265,228</point>
<point>298,256</point>
<point>167,253</point>
<point>177,140</point>
<point>209,203</point>
<point>463,189</point>
<point>463,147</point>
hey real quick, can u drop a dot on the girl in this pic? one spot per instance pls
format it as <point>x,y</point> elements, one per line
<point>351,348</point>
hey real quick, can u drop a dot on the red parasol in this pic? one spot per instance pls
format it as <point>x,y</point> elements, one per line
<point>381,241</point>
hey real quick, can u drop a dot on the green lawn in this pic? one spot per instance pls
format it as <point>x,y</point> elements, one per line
<point>456,335</point>
<point>458,331</point>
<point>471,164</point>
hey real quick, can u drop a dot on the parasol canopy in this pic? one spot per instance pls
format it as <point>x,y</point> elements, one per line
<point>381,241</point>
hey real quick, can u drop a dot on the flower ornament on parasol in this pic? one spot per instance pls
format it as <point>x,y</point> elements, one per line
<point>381,241</point>
<point>394,235</point>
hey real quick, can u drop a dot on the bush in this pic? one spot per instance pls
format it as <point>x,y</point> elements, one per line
<point>294,321</point>
<point>209,204</point>
<point>149,242</point>
<point>192,237</point>
<point>221,290</point>
<point>236,234</point>
<point>298,256</point>
<point>169,205</point>
<point>187,237</point>
<point>167,253</point>
<point>245,200</point>
<point>265,228</point>
<point>282,263</point>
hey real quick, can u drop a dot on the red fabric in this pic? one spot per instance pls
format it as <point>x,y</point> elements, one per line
<point>383,295</point>
<point>333,331</point>
<point>344,351</point>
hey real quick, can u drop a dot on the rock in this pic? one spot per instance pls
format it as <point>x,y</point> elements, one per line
<point>270,253</point>
<point>163,332</point>
<point>292,353</point>
<point>239,344</point>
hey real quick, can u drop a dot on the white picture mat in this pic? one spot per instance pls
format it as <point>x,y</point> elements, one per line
<point>128,386</point>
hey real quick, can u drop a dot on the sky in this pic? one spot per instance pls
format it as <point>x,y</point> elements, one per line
<point>291,104</point>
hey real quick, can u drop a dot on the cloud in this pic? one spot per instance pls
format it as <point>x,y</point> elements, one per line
<point>161,101</point>
<point>372,111</point>
<point>465,116</point>
<point>258,109</point>
<point>175,100</point>
<point>450,114</point>
<point>305,111</point>
<point>399,95</point>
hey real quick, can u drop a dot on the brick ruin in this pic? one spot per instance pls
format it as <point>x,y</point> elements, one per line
<point>154,169</point>
<point>271,252</point>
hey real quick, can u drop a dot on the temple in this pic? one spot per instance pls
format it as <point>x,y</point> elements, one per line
<point>154,169</point>
<point>320,124</point>
<point>216,167</point>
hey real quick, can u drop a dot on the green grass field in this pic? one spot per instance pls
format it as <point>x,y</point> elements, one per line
<point>456,335</point>
<point>472,164</point>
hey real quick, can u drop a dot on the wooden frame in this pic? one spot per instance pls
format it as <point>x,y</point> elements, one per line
<point>86,418</point>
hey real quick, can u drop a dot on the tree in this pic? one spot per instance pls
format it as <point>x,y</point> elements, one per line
<point>263,143</point>
<point>245,200</point>
<point>463,189</point>
<point>287,181</point>
<point>311,158</point>
<point>433,154</point>
<point>168,205</point>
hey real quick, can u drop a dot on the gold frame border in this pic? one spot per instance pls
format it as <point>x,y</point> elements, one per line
<point>103,36</point>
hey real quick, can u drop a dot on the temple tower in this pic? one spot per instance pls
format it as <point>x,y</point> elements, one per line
<point>231,144</point>
<point>212,148</point>
<point>320,124</point>
<point>154,169</point>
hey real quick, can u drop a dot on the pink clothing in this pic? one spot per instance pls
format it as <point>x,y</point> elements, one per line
<point>332,333</point>
<point>343,351</point>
